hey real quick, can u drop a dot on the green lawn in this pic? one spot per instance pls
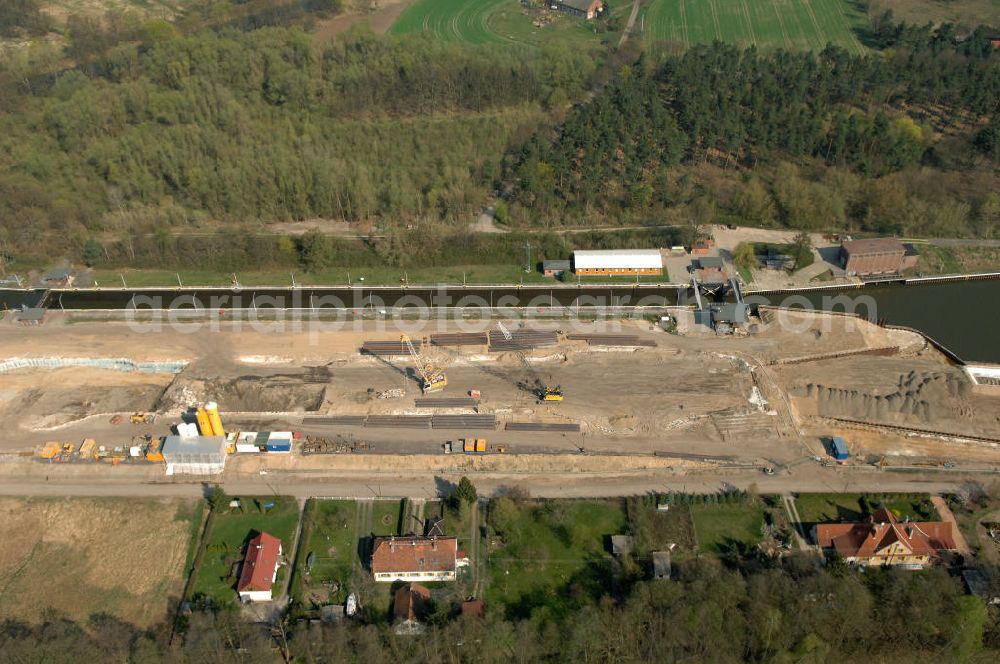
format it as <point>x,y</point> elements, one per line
<point>789,24</point>
<point>385,517</point>
<point>553,554</point>
<point>656,531</point>
<point>504,22</point>
<point>231,529</point>
<point>719,527</point>
<point>816,508</point>
<point>763,248</point>
<point>330,536</point>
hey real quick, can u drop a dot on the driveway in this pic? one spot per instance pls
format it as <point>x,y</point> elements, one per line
<point>946,515</point>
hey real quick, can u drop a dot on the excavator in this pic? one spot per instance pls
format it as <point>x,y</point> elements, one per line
<point>432,378</point>
<point>537,386</point>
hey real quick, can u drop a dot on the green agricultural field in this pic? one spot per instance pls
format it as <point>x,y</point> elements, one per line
<point>503,22</point>
<point>790,24</point>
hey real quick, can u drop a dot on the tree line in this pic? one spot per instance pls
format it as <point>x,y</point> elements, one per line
<point>231,250</point>
<point>793,610</point>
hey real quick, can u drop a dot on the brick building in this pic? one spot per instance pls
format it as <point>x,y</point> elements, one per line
<point>871,257</point>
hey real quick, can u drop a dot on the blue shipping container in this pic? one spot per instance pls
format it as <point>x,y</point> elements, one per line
<point>279,446</point>
<point>839,448</point>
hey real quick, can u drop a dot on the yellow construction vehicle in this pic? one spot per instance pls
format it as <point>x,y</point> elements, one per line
<point>141,418</point>
<point>432,378</point>
<point>536,385</point>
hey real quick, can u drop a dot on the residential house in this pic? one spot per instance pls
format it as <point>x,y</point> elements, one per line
<point>260,568</point>
<point>411,604</point>
<point>414,558</point>
<point>884,540</point>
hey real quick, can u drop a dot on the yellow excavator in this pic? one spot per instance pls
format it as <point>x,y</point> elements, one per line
<point>537,386</point>
<point>432,378</point>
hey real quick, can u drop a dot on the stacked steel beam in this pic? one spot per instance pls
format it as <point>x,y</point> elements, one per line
<point>387,348</point>
<point>335,420</point>
<point>521,340</point>
<point>459,339</point>
<point>612,340</point>
<point>569,427</point>
<point>399,421</point>
<point>446,402</point>
<point>464,422</point>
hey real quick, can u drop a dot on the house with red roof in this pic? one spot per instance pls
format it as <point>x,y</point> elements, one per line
<point>884,540</point>
<point>260,568</point>
<point>414,558</point>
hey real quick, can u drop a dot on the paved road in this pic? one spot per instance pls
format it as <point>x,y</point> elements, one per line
<point>423,485</point>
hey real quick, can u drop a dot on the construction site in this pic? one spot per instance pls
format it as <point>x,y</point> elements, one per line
<point>94,398</point>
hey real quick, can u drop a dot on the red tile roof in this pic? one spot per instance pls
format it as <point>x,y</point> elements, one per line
<point>259,564</point>
<point>411,600</point>
<point>474,607</point>
<point>863,540</point>
<point>414,554</point>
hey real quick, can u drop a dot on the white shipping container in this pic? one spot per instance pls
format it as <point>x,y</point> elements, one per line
<point>246,448</point>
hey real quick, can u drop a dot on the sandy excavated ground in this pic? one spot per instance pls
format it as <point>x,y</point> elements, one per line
<point>88,556</point>
<point>689,394</point>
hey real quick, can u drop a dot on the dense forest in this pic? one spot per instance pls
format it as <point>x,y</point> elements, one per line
<point>262,126</point>
<point>131,135</point>
<point>793,611</point>
<point>871,127</point>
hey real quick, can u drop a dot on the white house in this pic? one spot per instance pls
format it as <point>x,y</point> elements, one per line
<point>260,569</point>
<point>414,558</point>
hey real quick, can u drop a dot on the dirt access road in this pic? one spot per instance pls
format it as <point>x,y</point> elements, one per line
<point>806,478</point>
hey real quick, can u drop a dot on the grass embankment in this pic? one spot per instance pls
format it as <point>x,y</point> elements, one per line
<point>956,260</point>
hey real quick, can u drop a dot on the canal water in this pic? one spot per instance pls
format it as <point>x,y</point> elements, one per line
<point>964,316</point>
